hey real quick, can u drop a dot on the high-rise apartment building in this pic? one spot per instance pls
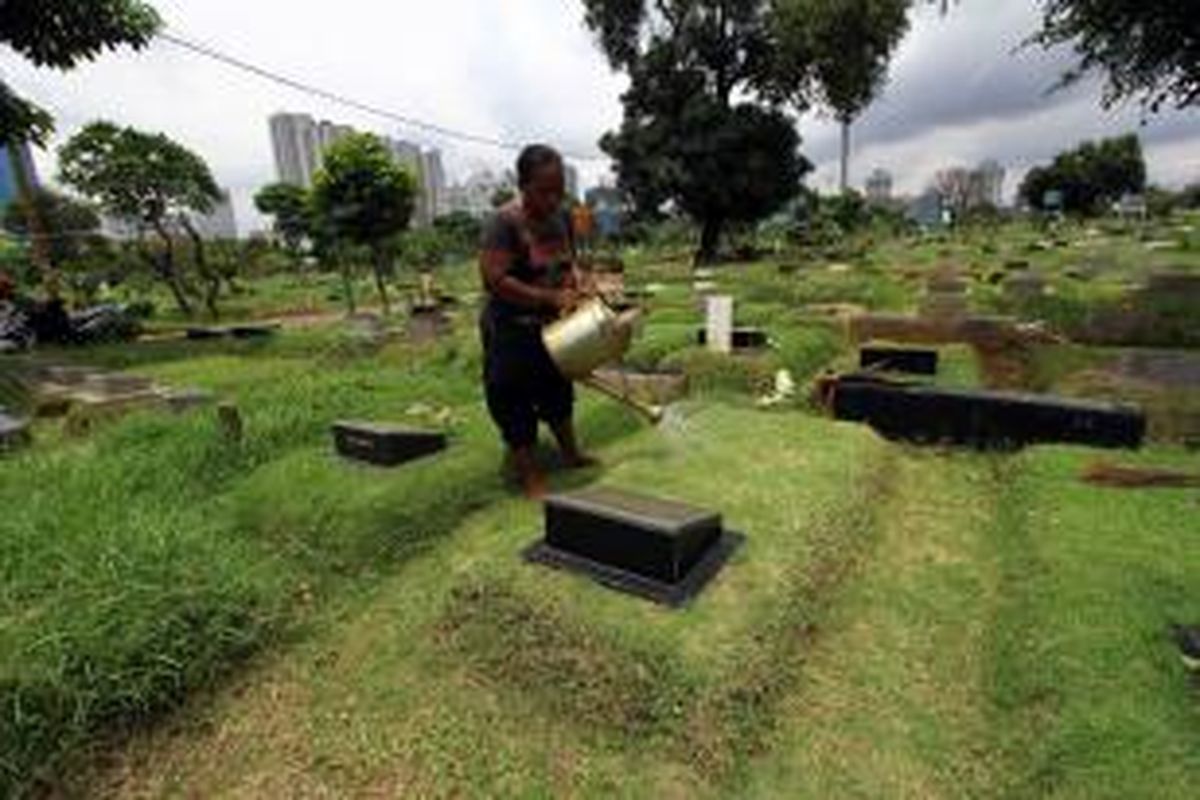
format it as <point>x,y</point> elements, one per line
<point>295,140</point>
<point>879,187</point>
<point>571,182</point>
<point>435,184</point>
<point>9,185</point>
<point>299,143</point>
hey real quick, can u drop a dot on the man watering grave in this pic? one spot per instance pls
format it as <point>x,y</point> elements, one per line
<point>529,273</point>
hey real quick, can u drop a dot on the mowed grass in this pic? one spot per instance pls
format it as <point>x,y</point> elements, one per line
<point>900,622</point>
<point>471,672</point>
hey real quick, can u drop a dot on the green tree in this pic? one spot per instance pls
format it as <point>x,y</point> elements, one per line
<point>682,137</point>
<point>461,232</point>
<point>424,249</point>
<point>291,207</point>
<point>1149,49</point>
<point>1090,177</point>
<point>150,180</point>
<point>61,34</point>
<point>364,198</point>
<point>70,224</point>
<point>58,34</point>
<point>849,44</point>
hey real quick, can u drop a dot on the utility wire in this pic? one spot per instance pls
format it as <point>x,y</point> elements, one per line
<point>333,97</point>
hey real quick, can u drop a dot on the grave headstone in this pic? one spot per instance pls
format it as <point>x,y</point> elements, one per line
<point>740,338</point>
<point>90,407</point>
<point>384,445</point>
<point>427,322</point>
<point>67,375</point>
<point>259,331</point>
<point>14,432</point>
<point>204,334</point>
<point>985,419</point>
<point>182,400</point>
<point>658,549</point>
<point>114,384</point>
<point>719,326</point>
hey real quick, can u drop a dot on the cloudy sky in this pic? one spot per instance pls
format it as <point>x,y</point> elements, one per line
<point>527,69</point>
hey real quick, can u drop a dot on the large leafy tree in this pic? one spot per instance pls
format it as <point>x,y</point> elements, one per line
<point>845,46</point>
<point>58,34</point>
<point>683,138</point>
<point>1147,49</point>
<point>290,206</point>
<point>62,34</point>
<point>1089,177</point>
<point>362,197</point>
<point>145,178</point>
<point>70,223</point>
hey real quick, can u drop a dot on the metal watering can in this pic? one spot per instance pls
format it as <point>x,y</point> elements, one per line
<point>592,336</point>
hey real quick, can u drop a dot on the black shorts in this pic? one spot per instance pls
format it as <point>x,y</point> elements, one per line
<point>521,382</point>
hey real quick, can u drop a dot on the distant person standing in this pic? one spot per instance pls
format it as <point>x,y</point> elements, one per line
<point>583,224</point>
<point>528,269</point>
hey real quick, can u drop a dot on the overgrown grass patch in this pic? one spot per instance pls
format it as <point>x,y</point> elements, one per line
<point>1091,696</point>
<point>145,562</point>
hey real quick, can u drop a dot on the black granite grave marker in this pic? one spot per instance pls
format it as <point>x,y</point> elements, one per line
<point>14,432</point>
<point>985,419</point>
<point>202,334</point>
<point>384,445</point>
<point>658,549</point>
<point>253,331</point>
<point>743,338</point>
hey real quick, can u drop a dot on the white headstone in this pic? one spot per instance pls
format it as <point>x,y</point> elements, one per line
<point>720,324</point>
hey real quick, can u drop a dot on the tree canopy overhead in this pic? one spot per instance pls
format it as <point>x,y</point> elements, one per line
<point>62,34</point>
<point>1147,49</point>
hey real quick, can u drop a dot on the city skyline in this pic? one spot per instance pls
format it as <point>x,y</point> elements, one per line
<point>961,89</point>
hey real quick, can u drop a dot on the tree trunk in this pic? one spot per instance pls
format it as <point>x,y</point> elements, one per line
<point>166,269</point>
<point>347,286</point>
<point>379,264</point>
<point>38,235</point>
<point>211,278</point>
<point>710,239</point>
<point>845,183</point>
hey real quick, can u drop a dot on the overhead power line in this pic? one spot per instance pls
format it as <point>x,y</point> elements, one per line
<point>340,99</point>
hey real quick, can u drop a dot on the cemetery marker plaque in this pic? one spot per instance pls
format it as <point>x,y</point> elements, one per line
<point>985,419</point>
<point>384,445</point>
<point>719,329</point>
<point>657,549</point>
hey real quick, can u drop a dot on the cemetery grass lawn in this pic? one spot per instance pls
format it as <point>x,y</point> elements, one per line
<point>144,562</point>
<point>900,622</point>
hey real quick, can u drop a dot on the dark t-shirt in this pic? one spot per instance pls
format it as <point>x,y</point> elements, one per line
<point>541,256</point>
